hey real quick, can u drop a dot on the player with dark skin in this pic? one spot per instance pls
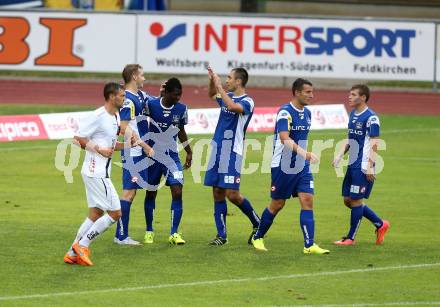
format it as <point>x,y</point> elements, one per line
<point>169,99</point>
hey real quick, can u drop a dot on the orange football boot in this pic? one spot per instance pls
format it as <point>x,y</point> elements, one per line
<point>381,231</point>
<point>83,254</point>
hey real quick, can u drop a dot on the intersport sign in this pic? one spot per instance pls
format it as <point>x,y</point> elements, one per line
<point>288,46</point>
<point>291,47</point>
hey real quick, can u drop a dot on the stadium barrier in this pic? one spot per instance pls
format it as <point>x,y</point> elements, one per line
<point>267,46</point>
<point>56,126</point>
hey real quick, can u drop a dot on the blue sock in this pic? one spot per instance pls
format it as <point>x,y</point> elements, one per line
<point>220,211</point>
<point>355,221</point>
<point>149,206</point>
<point>247,209</point>
<point>372,217</point>
<point>307,226</point>
<point>176,214</point>
<point>122,225</point>
<point>265,223</point>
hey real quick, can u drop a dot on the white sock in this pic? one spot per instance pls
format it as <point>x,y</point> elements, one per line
<point>99,227</point>
<point>85,226</point>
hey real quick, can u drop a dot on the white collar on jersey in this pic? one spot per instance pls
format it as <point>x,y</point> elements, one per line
<point>358,114</point>
<point>239,96</point>
<point>165,106</point>
<point>132,92</point>
<point>298,110</point>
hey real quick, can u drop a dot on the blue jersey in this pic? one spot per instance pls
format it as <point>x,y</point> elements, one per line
<point>361,127</point>
<point>233,125</point>
<point>132,111</point>
<point>165,124</point>
<point>297,123</point>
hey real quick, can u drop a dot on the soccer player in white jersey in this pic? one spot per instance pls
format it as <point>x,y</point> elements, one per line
<point>363,135</point>
<point>224,167</point>
<point>98,134</point>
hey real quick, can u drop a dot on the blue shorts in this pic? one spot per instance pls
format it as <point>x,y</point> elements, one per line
<point>285,185</point>
<point>356,185</point>
<point>224,173</point>
<point>134,173</point>
<point>172,171</point>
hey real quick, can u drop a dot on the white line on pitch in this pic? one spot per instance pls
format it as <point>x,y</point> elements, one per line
<point>363,305</point>
<point>389,131</point>
<point>27,148</point>
<point>427,159</point>
<point>221,281</point>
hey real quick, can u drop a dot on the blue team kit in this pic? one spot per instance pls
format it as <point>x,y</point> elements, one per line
<point>165,124</point>
<point>134,162</point>
<point>224,166</point>
<point>361,127</point>
<point>291,172</point>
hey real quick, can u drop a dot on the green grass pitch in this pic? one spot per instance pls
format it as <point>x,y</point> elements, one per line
<point>40,214</point>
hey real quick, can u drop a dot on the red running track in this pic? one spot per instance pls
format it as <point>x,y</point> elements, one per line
<point>90,93</point>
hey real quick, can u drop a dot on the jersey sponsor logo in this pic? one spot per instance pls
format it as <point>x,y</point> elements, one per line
<point>166,113</point>
<point>225,109</point>
<point>269,38</point>
<point>300,128</point>
<point>15,50</point>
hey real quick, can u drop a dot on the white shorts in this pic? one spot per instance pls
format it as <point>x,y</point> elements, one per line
<point>101,194</point>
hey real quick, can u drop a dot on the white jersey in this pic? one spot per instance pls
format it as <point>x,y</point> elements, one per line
<point>102,129</point>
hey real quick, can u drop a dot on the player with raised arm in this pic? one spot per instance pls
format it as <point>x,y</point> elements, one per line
<point>361,145</point>
<point>168,119</point>
<point>224,167</point>
<point>290,167</point>
<point>132,123</point>
<point>98,134</point>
